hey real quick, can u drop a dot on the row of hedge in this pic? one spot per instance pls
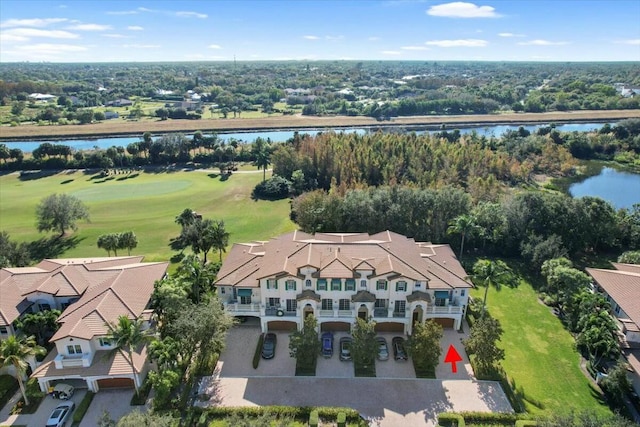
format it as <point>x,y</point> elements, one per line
<point>484,418</point>
<point>83,406</point>
<point>201,417</point>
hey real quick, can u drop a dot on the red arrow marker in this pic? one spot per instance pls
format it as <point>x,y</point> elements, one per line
<point>452,357</point>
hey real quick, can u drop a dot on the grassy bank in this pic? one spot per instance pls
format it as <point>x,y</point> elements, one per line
<point>156,126</point>
<point>146,203</point>
<point>540,354</point>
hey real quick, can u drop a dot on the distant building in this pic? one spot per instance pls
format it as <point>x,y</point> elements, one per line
<point>119,103</point>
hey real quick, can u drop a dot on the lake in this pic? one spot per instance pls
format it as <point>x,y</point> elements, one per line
<point>622,189</point>
<point>282,135</point>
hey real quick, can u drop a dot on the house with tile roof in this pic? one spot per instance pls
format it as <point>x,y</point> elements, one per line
<point>339,277</point>
<point>621,287</point>
<point>90,292</point>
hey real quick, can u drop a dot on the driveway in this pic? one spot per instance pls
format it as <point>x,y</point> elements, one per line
<point>384,402</point>
<point>237,358</point>
<point>334,367</point>
<point>40,417</point>
<point>115,401</point>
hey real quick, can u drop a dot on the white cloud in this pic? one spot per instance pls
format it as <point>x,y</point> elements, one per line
<point>391,52</point>
<point>630,41</point>
<point>414,48</point>
<point>134,28</point>
<point>12,38</point>
<point>191,15</point>
<point>461,9</point>
<point>458,43</point>
<point>34,32</point>
<point>31,22</point>
<point>539,42</point>
<point>334,38</point>
<point>214,46</point>
<point>123,12</point>
<point>89,27</point>
<point>373,39</point>
<point>141,46</point>
<point>50,48</point>
<point>115,36</point>
<point>311,37</point>
<point>510,35</point>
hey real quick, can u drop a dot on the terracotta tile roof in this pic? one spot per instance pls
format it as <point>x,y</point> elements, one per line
<point>105,363</point>
<point>623,286</point>
<point>106,288</point>
<point>338,255</point>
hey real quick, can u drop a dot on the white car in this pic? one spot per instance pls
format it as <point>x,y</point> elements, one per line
<point>61,414</point>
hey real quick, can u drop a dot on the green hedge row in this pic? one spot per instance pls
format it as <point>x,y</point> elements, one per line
<point>78,415</point>
<point>256,355</point>
<point>484,418</point>
<point>205,415</point>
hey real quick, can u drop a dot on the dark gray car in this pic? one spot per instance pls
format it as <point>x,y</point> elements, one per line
<point>269,346</point>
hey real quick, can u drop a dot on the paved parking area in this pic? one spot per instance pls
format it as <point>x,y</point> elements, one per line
<point>334,367</point>
<point>116,402</point>
<point>40,417</point>
<point>237,358</point>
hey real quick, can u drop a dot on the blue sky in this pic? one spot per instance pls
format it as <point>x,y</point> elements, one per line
<point>490,30</point>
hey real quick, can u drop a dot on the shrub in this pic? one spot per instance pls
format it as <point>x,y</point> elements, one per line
<point>256,355</point>
<point>313,419</point>
<point>8,387</point>
<point>525,423</point>
<point>448,420</point>
<point>34,395</point>
<point>78,415</point>
<point>276,187</point>
<point>140,398</point>
<point>342,419</point>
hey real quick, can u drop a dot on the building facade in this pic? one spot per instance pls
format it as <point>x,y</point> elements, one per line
<point>339,277</point>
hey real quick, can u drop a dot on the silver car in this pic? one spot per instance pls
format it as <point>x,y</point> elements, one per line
<point>61,415</point>
<point>383,348</point>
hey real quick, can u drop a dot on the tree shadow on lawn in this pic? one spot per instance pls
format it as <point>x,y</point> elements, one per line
<point>52,247</point>
<point>67,181</point>
<point>32,175</point>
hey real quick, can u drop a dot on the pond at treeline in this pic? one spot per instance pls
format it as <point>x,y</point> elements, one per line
<point>621,189</point>
<point>282,135</point>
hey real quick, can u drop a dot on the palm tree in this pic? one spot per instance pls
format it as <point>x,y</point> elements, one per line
<point>465,225</point>
<point>14,351</point>
<point>220,237</point>
<point>127,335</point>
<point>262,155</point>
<point>199,275</point>
<point>495,274</point>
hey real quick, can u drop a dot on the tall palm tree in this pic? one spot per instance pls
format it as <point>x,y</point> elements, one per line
<point>262,155</point>
<point>465,225</point>
<point>199,275</point>
<point>220,237</point>
<point>14,351</point>
<point>127,335</point>
<point>495,274</point>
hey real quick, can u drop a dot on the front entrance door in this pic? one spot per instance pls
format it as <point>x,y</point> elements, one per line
<point>308,311</point>
<point>362,312</point>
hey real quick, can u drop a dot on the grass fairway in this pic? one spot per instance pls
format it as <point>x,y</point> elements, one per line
<point>540,353</point>
<point>146,203</point>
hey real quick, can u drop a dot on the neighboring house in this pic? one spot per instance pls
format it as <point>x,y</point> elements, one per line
<point>108,115</point>
<point>91,292</point>
<point>44,97</point>
<point>119,103</point>
<point>339,277</point>
<point>621,287</point>
<point>186,105</point>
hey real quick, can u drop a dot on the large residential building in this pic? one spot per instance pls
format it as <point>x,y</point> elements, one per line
<point>91,292</point>
<point>621,287</point>
<point>339,277</point>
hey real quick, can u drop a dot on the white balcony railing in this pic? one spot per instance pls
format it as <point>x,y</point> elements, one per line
<point>345,313</point>
<point>448,309</point>
<point>61,361</point>
<point>325,313</point>
<point>242,308</point>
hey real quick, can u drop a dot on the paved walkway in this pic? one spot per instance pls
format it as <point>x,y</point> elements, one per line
<point>384,402</point>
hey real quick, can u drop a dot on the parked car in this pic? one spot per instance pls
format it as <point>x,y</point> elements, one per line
<point>61,414</point>
<point>383,349</point>
<point>399,349</point>
<point>327,344</point>
<point>62,391</point>
<point>269,345</point>
<point>345,348</point>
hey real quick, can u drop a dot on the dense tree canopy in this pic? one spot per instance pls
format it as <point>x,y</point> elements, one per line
<point>60,212</point>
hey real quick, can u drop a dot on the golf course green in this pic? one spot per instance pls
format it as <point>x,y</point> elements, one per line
<point>145,202</point>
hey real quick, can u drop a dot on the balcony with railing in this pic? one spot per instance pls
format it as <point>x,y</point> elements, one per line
<point>400,314</point>
<point>62,361</point>
<point>446,309</point>
<point>380,312</point>
<point>235,308</point>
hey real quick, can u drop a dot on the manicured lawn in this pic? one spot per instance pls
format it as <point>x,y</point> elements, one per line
<point>540,353</point>
<point>147,204</point>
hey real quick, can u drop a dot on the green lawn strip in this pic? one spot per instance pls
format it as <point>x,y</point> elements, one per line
<point>361,370</point>
<point>147,205</point>
<point>540,354</point>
